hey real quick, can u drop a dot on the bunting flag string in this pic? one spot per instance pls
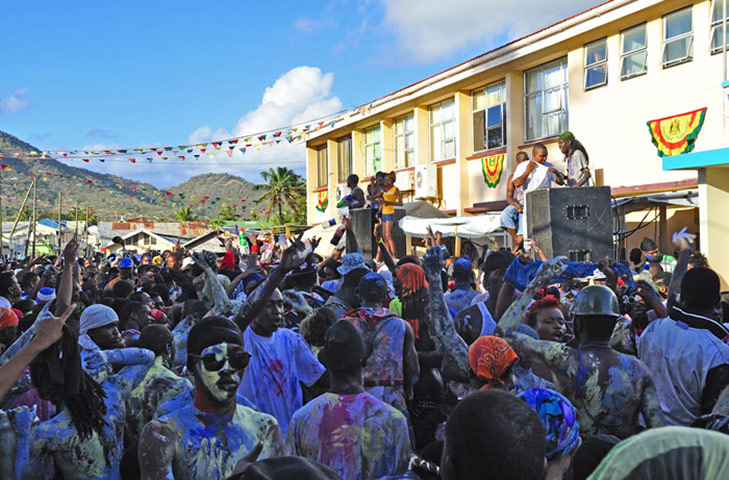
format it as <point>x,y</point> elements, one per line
<point>294,134</point>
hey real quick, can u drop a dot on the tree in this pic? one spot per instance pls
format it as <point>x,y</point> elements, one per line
<point>283,186</point>
<point>184,214</point>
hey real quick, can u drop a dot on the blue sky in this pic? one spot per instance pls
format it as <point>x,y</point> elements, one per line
<point>86,74</point>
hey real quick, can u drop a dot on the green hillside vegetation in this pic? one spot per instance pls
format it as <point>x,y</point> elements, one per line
<point>108,195</point>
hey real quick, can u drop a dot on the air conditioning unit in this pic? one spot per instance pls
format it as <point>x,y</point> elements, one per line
<point>341,191</point>
<point>426,181</point>
<point>405,180</point>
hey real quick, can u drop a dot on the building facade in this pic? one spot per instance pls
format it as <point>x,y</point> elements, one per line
<point>602,74</point>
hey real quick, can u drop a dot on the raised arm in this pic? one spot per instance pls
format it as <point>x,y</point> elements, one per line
<point>445,331</point>
<point>222,305</point>
<point>65,286</point>
<point>547,272</point>
<point>291,258</point>
<point>681,240</point>
<point>48,330</point>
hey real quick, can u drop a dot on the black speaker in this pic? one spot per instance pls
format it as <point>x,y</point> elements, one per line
<point>571,222</point>
<point>363,223</point>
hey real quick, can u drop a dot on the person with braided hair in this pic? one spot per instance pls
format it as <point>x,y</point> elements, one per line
<point>84,438</point>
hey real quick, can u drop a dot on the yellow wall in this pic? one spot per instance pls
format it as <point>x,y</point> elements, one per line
<point>609,120</point>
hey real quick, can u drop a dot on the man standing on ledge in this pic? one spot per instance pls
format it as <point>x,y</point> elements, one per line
<point>578,171</point>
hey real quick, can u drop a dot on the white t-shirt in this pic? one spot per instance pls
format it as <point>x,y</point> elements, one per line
<point>278,363</point>
<point>540,177</point>
<point>679,359</point>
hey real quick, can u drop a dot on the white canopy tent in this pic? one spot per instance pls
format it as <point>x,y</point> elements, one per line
<point>476,226</point>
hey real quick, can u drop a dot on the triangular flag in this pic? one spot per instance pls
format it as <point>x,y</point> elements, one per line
<point>181,157</point>
<point>197,156</point>
<point>242,149</point>
<point>133,160</point>
<point>202,150</point>
<point>86,160</point>
<point>211,154</point>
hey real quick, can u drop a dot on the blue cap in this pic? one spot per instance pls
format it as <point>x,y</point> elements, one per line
<point>126,262</point>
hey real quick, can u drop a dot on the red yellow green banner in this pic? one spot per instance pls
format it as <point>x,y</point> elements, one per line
<point>676,134</point>
<point>322,200</point>
<point>492,167</point>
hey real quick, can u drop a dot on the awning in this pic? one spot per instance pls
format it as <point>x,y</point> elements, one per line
<point>679,198</point>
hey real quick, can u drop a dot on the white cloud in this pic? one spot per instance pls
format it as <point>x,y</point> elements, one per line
<point>311,25</point>
<point>15,102</point>
<point>303,93</point>
<point>429,30</point>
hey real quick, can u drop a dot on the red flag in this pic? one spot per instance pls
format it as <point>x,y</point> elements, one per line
<point>243,201</point>
<point>89,182</point>
<point>181,157</point>
<point>133,189</point>
<point>206,198</point>
<point>202,150</point>
<point>130,197</point>
<point>133,160</point>
<point>168,194</point>
<point>216,145</point>
<point>3,166</point>
<point>31,175</point>
<point>233,141</point>
<point>86,160</point>
<point>160,153</point>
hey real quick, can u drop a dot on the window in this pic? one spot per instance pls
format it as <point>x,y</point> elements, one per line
<point>546,99</point>
<point>717,25</point>
<point>678,38</point>
<point>404,128</point>
<point>489,117</point>
<point>344,157</point>
<point>442,131</point>
<point>634,57</point>
<point>373,151</point>
<point>322,168</point>
<point>596,64</point>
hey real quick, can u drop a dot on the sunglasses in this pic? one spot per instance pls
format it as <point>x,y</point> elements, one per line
<point>214,362</point>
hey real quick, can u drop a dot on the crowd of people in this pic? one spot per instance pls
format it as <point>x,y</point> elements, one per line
<point>202,366</point>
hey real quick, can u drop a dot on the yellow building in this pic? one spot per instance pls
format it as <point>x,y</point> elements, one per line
<point>602,74</point>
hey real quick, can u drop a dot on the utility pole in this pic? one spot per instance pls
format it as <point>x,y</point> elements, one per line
<point>86,229</point>
<point>76,218</point>
<point>35,206</point>
<point>20,212</point>
<point>60,233</point>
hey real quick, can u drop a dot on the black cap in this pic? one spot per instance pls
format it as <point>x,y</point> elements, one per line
<point>648,245</point>
<point>343,348</point>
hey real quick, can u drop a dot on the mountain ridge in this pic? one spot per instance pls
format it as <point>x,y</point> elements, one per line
<point>108,196</point>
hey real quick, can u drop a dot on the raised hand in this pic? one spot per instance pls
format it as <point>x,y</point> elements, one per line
<point>433,261</point>
<point>49,328</point>
<point>201,262</point>
<point>295,255</point>
<point>549,271</point>
<point>682,240</point>
<point>69,251</point>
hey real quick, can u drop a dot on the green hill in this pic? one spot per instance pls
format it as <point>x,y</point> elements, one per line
<point>107,195</point>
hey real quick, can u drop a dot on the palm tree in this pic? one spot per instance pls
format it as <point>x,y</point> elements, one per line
<point>184,214</point>
<point>283,185</point>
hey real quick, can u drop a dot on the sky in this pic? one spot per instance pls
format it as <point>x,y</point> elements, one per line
<point>90,75</point>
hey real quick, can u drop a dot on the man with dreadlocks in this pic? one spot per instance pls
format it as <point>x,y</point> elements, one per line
<point>575,155</point>
<point>84,438</point>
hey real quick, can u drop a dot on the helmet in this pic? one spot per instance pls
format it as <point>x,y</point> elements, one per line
<point>596,300</point>
<point>126,262</point>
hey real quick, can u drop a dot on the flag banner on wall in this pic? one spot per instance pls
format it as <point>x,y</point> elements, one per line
<point>676,134</point>
<point>492,167</point>
<point>322,200</point>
